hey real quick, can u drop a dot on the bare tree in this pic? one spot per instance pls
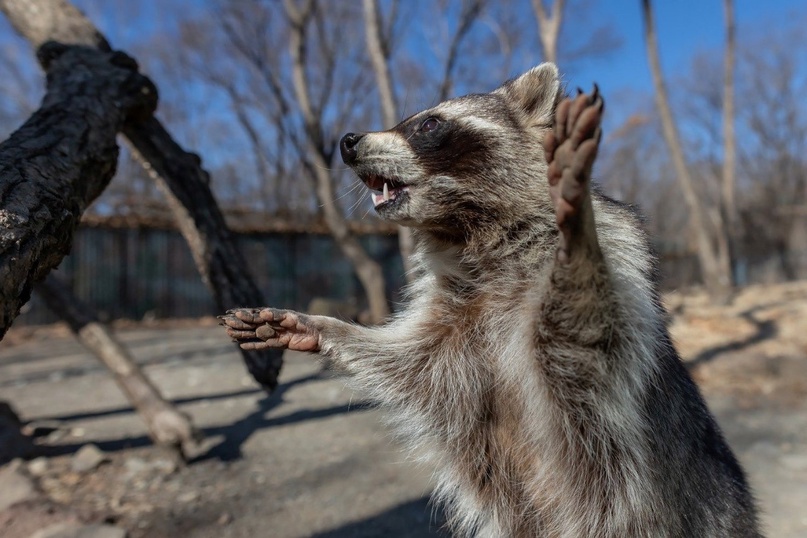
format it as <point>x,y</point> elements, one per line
<point>587,38</point>
<point>166,425</point>
<point>549,24</point>
<point>301,17</point>
<point>379,50</point>
<point>773,194</point>
<point>711,248</point>
<point>178,174</point>
<point>469,13</point>
<point>60,160</point>
<point>729,202</point>
<point>291,82</point>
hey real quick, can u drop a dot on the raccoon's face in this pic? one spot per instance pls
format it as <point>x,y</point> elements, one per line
<point>468,162</point>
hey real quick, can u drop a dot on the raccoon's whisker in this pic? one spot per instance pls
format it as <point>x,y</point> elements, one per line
<point>351,190</point>
<point>366,212</point>
<point>355,205</point>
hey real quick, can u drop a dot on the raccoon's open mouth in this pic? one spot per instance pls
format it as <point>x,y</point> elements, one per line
<point>386,189</point>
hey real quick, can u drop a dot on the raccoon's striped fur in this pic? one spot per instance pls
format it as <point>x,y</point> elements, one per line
<point>531,366</point>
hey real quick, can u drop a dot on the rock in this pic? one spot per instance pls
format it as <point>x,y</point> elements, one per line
<point>165,466</point>
<point>88,458</point>
<point>75,530</point>
<point>71,479</point>
<point>188,497</point>
<point>14,486</point>
<point>38,466</point>
<point>224,519</point>
<point>56,435</point>
<point>41,428</point>
<point>135,465</point>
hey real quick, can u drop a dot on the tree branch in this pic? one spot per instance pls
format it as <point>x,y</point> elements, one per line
<point>166,425</point>
<point>367,270</point>
<point>470,11</point>
<point>60,160</point>
<point>714,274</point>
<point>178,174</point>
<point>549,27</point>
<point>730,142</point>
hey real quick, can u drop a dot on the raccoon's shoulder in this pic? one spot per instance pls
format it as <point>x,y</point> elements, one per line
<point>625,243</point>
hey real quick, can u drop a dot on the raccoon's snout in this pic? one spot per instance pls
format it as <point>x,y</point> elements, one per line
<point>347,146</point>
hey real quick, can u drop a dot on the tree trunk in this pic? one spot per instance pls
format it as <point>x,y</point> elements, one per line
<point>729,140</point>
<point>717,281</point>
<point>40,21</point>
<point>178,174</point>
<point>60,160</point>
<point>368,270</point>
<point>379,56</point>
<point>469,12</point>
<point>549,27</point>
<point>166,425</point>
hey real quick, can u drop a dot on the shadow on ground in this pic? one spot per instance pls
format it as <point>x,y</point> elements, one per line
<point>237,433</point>
<point>234,434</point>
<point>765,330</point>
<point>414,519</point>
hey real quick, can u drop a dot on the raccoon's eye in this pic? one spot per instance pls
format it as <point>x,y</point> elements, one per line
<point>429,125</point>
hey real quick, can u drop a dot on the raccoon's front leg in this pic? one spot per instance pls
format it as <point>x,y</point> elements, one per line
<point>577,310</point>
<point>261,328</point>
<point>570,151</point>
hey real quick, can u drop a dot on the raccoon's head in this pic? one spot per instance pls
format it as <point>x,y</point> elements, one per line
<point>466,164</point>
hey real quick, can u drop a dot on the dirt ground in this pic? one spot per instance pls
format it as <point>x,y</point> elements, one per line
<point>313,459</point>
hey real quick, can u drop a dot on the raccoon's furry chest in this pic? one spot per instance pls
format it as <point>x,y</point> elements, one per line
<point>490,429</point>
<point>478,431</point>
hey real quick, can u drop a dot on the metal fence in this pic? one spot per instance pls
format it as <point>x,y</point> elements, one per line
<point>137,272</point>
<point>134,273</point>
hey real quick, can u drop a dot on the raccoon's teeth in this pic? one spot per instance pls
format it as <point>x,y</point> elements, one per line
<point>386,191</point>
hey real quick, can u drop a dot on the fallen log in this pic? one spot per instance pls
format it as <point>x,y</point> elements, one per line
<point>167,426</point>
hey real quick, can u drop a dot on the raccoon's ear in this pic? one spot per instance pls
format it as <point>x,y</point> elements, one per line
<point>535,94</point>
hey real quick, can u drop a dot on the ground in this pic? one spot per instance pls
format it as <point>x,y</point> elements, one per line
<point>315,460</point>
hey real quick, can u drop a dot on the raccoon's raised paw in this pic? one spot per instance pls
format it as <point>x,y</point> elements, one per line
<point>262,328</point>
<point>571,148</point>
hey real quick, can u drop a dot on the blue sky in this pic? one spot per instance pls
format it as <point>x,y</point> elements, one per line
<point>685,27</point>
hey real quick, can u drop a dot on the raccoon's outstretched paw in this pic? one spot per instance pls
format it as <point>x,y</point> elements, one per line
<point>571,148</point>
<point>261,328</point>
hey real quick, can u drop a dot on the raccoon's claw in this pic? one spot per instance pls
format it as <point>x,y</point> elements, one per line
<point>570,149</point>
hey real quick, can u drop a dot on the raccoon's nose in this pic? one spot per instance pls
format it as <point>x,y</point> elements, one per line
<point>348,147</point>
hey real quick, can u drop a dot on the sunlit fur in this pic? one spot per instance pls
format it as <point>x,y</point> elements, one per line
<point>547,398</point>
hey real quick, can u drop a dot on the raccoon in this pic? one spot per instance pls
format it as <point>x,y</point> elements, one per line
<point>531,365</point>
